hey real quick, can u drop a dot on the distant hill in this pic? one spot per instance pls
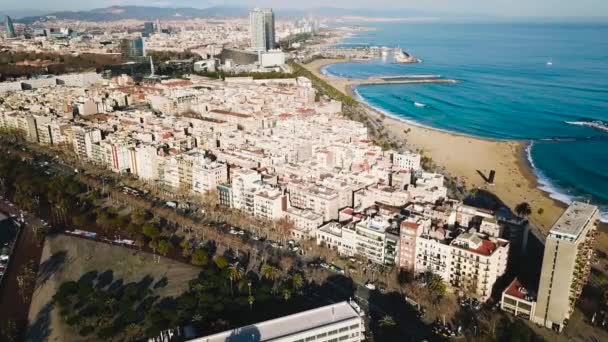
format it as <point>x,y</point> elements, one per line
<point>141,13</point>
<point>164,13</point>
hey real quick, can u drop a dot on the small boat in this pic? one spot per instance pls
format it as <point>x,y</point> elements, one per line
<point>550,62</point>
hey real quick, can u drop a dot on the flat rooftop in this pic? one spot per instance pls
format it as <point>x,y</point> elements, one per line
<point>574,219</point>
<point>287,325</point>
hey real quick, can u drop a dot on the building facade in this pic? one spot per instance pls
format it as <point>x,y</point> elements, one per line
<point>566,264</point>
<point>261,29</point>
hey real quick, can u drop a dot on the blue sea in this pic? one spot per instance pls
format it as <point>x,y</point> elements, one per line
<point>528,81</point>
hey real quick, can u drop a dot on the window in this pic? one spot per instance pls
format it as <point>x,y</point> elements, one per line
<point>322,335</point>
<point>343,329</point>
<point>333,332</point>
<point>311,338</point>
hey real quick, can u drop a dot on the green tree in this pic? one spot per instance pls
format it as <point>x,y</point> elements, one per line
<point>186,248</point>
<point>286,294</point>
<point>234,273</point>
<point>387,321</point>
<point>270,272</point>
<point>164,247</point>
<point>151,230</point>
<point>297,282</point>
<point>199,257</point>
<point>221,262</point>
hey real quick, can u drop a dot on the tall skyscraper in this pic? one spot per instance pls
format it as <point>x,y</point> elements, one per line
<point>9,28</point>
<point>148,29</point>
<point>261,29</point>
<point>566,264</point>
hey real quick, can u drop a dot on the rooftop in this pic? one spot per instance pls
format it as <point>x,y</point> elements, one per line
<point>574,219</point>
<point>288,325</point>
<point>517,290</point>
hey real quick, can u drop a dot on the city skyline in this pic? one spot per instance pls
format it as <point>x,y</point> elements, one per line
<point>499,8</point>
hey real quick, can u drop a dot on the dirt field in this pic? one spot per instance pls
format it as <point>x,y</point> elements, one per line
<point>67,258</point>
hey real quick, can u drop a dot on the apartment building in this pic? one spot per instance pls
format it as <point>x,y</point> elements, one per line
<point>339,237</point>
<point>409,231</point>
<point>406,161</point>
<point>566,264</point>
<point>207,175</point>
<point>269,203</point>
<point>336,322</point>
<point>83,139</point>
<point>305,222</point>
<point>320,199</point>
<point>469,262</point>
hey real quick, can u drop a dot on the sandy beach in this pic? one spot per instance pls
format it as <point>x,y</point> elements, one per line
<point>462,156</point>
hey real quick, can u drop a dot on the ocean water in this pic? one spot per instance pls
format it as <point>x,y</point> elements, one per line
<point>534,82</point>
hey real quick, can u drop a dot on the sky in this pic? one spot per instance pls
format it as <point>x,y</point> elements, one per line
<point>505,8</point>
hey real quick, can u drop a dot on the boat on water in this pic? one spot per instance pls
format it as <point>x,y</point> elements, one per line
<point>401,56</point>
<point>550,62</point>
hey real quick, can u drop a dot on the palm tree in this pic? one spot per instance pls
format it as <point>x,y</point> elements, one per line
<point>270,272</point>
<point>297,282</point>
<point>234,272</point>
<point>523,209</point>
<point>286,294</point>
<point>387,322</point>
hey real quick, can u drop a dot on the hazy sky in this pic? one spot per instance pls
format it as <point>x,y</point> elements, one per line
<point>508,8</point>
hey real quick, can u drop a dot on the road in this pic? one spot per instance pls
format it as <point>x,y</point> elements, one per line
<point>27,250</point>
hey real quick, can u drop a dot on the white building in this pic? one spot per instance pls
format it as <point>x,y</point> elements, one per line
<point>336,322</point>
<point>406,161</point>
<point>207,175</point>
<point>305,222</point>
<point>470,263</point>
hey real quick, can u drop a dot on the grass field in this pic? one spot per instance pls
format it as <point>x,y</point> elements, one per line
<point>67,258</point>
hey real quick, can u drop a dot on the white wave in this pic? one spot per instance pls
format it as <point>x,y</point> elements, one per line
<point>555,192</point>
<point>602,126</point>
<point>418,104</point>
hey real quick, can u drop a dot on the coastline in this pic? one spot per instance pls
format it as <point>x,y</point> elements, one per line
<point>462,156</point>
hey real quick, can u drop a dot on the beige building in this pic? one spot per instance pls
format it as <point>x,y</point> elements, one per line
<point>566,264</point>
<point>518,300</point>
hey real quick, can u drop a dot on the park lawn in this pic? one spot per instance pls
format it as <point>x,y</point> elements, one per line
<point>66,258</point>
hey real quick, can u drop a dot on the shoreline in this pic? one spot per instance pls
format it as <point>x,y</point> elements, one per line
<point>463,156</point>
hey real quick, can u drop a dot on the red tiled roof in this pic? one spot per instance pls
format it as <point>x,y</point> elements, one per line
<point>411,225</point>
<point>515,290</point>
<point>486,248</point>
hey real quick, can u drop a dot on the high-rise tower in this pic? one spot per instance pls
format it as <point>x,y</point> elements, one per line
<point>566,264</point>
<point>261,26</point>
<point>9,28</point>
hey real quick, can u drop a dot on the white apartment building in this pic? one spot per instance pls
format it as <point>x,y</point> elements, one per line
<point>336,322</point>
<point>469,263</point>
<point>338,237</point>
<point>269,203</point>
<point>207,175</point>
<point>83,139</point>
<point>369,238</point>
<point>407,161</point>
<point>243,187</point>
<point>305,222</point>
<point>321,200</point>
<point>144,159</point>
<point>387,195</point>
